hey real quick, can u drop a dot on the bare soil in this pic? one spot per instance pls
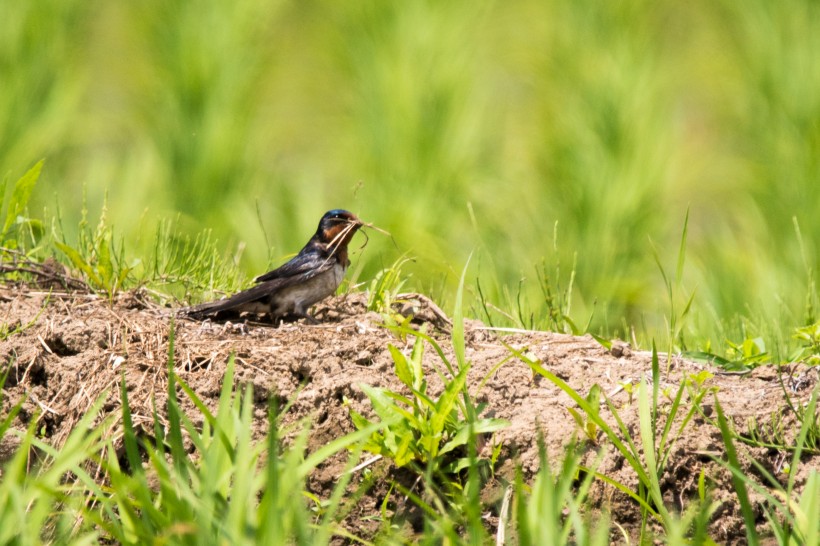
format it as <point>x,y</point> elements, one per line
<point>74,346</point>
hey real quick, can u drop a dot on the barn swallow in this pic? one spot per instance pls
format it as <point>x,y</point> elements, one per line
<point>309,277</point>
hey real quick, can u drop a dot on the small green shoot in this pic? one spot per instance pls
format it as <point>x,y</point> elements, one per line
<point>98,259</point>
<point>558,300</point>
<point>19,231</point>
<point>676,319</point>
<point>629,388</point>
<point>698,380</point>
<point>809,337</point>
<point>420,430</point>
<point>31,492</point>
<point>602,341</point>
<point>740,357</point>
<point>769,434</point>
<point>385,286</point>
<point>748,353</point>
<point>182,265</point>
<point>552,511</point>
<point>586,425</point>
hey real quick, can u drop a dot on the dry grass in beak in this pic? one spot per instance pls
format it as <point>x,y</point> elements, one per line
<point>380,230</point>
<point>355,224</point>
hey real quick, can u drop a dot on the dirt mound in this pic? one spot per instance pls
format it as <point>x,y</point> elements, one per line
<point>65,349</point>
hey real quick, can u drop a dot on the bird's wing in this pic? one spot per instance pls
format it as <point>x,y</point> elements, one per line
<point>259,293</point>
<point>296,271</point>
<point>303,266</point>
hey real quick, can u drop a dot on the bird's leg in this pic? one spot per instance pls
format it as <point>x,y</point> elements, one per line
<point>307,317</point>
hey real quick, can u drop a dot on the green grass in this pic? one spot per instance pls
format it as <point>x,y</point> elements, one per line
<point>227,489</point>
<point>638,169</point>
<point>221,487</point>
<point>232,490</point>
<point>457,127</point>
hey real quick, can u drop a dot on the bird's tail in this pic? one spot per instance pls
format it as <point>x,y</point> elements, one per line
<point>203,310</point>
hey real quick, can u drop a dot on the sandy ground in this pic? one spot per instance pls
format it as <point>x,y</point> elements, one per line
<point>74,346</point>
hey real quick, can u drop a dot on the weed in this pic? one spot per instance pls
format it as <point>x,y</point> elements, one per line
<point>740,357</point>
<point>748,353</point>
<point>20,231</point>
<point>646,455</point>
<point>230,488</point>
<point>435,436</point>
<point>770,434</point>
<point>676,319</point>
<point>429,434</point>
<point>385,286</point>
<point>32,491</point>
<point>190,267</point>
<point>552,511</point>
<point>809,338</point>
<point>588,426</point>
<point>176,482</point>
<point>383,293</point>
<point>786,517</point>
<point>558,301</point>
<point>99,260</point>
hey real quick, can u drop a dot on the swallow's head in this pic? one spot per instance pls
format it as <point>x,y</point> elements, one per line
<point>337,227</point>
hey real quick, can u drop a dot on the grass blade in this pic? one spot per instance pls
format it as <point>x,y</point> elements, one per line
<point>740,486</point>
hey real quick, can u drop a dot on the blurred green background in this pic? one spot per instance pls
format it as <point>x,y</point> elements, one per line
<point>461,127</point>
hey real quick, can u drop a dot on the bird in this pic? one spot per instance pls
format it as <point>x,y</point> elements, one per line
<point>293,288</point>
